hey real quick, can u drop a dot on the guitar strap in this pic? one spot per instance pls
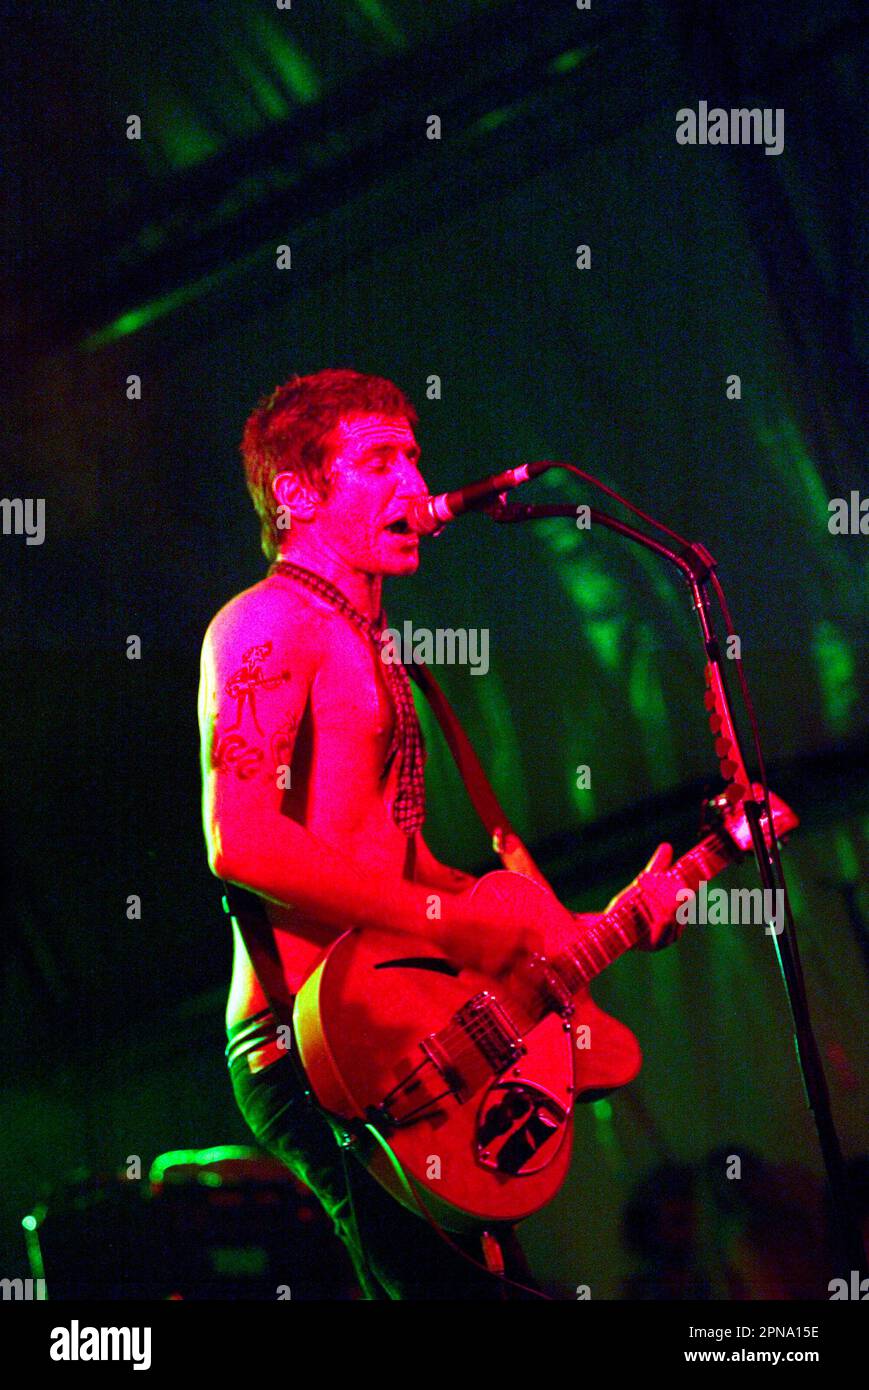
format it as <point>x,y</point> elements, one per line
<point>505,842</point>
<point>247,908</point>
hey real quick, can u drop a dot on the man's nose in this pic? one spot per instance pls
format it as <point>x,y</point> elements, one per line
<point>411,482</point>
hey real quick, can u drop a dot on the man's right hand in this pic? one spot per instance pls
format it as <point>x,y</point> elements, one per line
<point>494,929</point>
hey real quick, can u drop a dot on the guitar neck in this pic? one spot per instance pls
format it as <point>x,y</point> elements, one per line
<point>594,948</point>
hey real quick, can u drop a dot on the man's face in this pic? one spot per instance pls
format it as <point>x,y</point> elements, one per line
<point>372,476</point>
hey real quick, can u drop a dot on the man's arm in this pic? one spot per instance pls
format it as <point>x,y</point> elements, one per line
<point>256,681</point>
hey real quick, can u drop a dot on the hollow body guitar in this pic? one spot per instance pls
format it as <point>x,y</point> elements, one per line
<point>471,1081</point>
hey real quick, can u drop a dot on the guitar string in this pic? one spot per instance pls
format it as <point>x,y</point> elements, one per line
<point>460,1040</point>
<point>481,1027</point>
<point>701,857</point>
<point>611,925</point>
<point>616,924</point>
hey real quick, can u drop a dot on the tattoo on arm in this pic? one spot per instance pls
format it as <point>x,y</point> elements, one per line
<point>231,751</point>
<point>253,752</point>
<point>245,683</point>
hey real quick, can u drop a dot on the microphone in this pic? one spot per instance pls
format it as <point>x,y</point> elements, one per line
<point>428,515</point>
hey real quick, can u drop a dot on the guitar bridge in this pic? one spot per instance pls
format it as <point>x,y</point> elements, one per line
<point>485,1021</point>
<point>495,1044</point>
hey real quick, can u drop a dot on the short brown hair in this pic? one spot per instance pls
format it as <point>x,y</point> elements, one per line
<point>292,430</point>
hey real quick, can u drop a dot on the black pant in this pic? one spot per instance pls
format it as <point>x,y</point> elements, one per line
<point>396,1254</point>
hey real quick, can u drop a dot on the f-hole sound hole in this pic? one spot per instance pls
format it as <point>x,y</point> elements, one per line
<point>440,967</point>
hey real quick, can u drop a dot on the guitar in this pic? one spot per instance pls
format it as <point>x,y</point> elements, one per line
<point>472,1082</point>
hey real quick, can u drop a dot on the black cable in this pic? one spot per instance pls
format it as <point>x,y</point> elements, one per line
<point>610,492</point>
<point>411,1186</point>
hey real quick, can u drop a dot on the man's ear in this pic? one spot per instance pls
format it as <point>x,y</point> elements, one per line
<point>298,497</point>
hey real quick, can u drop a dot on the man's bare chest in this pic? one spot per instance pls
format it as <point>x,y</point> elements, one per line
<point>353,720</point>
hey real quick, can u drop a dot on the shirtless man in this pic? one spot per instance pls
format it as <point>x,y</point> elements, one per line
<point>304,804</point>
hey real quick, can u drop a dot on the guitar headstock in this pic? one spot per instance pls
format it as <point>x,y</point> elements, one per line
<point>732,818</point>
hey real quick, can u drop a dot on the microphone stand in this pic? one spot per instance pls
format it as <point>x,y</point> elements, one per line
<point>696,565</point>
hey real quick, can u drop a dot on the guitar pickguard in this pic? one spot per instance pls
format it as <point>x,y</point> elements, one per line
<point>524,1113</point>
<point>519,1128</point>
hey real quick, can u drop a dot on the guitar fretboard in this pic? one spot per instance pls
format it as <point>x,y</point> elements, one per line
<point>594,948</point>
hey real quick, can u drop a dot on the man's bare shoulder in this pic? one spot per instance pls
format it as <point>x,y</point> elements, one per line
<point>270,611</point>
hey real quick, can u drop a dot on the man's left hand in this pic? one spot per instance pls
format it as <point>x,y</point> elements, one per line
<point>659,894</point>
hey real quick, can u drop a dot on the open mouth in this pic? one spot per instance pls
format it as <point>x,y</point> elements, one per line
<point>399,527</point>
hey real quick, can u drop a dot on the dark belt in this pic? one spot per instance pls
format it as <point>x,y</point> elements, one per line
<point>260,1038</point>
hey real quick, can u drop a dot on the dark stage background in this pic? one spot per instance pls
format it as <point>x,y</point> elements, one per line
<point>414,258</point>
